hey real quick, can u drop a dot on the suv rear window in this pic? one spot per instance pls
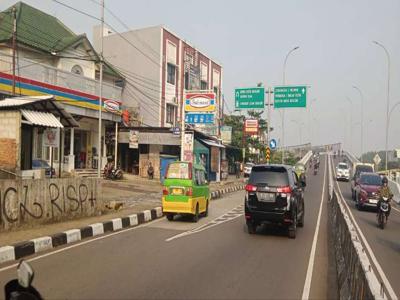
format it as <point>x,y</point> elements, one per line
<point>271,176</point>
<point>371,179</point>
<point>343,166</point>
<point>367,169</point>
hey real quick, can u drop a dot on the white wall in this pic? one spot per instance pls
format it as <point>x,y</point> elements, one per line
<point>143,87</point>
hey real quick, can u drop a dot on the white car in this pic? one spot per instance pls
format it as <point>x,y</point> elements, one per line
<point>343,171</point>
<point>247,169</point>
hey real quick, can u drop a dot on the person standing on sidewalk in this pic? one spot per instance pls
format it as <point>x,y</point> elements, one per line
<point>237,169</point>
<point>150,171</point>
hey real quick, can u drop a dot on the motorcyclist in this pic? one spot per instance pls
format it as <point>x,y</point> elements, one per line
<point>109,166</point>
<point>385,192</point>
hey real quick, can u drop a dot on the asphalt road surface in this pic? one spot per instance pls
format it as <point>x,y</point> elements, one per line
<point>213,259</point>
<point>384,244</point>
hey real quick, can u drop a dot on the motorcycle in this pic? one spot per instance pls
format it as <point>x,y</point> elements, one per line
<point>315,171</point>
<point>111,173</point>
<point>383,211</point>
<point>21,288</point>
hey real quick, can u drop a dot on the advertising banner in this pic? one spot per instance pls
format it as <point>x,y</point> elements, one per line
<point>188,147</point>
<point>51,137</point>
<point>133,139</point>
<point>251,126</point>
<point>226,134</point>
<point>200,102</point>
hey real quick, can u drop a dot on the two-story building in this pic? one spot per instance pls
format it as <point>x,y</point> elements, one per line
<point>51,59</point>
<point>159,67</point>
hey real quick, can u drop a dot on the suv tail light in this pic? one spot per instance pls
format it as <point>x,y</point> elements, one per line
<point>165,191</point>
<point>250,188</point>
<point>189,191</point>
<point>284,189</point>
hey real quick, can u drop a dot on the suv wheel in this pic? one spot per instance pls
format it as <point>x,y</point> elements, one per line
<point>301,221</point>
<point>251,228</point>
<point>293,228</point>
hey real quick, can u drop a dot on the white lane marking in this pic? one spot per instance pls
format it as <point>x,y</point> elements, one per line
<point>229,216</point>
<point>81,244</point>
<point>395,209</point>
<point>368,247</point>
<point>310,268</point>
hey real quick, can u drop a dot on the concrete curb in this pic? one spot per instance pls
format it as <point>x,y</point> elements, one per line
<point>26,248</point>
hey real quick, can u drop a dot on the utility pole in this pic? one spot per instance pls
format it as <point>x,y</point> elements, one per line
<point>101,89</point>
<point>183,126</point>
<point>269,91</point>
<point>14,46</point>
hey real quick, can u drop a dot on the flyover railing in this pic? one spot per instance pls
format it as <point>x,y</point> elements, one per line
<point>306,157</point>
<point>356,277</point>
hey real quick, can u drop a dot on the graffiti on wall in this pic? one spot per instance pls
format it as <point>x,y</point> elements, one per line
<point>44,200</point>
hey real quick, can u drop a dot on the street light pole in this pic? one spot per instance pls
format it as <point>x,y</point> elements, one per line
<point>351,122</point>
<point>387,102</point>
<point>362,119</point>
<point>283,112</point>
<point>101,92</point>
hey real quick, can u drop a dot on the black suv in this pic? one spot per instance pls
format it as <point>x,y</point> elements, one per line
<point>274,194</point>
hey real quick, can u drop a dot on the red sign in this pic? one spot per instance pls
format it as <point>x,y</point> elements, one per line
<point>251,126</point>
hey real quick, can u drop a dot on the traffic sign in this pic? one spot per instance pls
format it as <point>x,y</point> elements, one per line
<point>267,153</point>
<point>272,144</point>
<point>249,98</point>
<point>377,159</point>
<point>290,96</point>
<point>251,126</point>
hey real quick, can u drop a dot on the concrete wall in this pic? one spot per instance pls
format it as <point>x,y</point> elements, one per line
<point>10,136</point>
<point>33,202</point>
<point>154,158</point>
<point>143,85</point>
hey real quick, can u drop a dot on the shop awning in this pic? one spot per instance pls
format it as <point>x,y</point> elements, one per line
<point>41,118</point>
<point>213,143</point>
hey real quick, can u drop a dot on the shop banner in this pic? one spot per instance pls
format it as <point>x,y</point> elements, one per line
<point>200,102</point>
<point>133,139</point>
<point>251,126</point>
<point>188,147</point>
<point>51,137</point>
<point>214,159</point>
<point>226,134</point>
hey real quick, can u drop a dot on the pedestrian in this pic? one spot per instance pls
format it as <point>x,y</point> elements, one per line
<point>237,169</point>
<point>150,171</point>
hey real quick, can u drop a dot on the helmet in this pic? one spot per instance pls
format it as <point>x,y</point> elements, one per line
<point>384,180</point>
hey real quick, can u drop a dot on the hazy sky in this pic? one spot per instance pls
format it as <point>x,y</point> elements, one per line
<point>251,38</point>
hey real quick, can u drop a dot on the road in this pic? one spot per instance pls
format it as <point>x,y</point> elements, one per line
<point>213,259</point>
<point>385,244</point>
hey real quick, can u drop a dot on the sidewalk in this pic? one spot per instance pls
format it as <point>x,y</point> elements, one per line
<point>126,197</point>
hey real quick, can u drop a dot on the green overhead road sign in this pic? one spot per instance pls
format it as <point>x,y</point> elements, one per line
<point>290,96</point>
<point>249,98</point>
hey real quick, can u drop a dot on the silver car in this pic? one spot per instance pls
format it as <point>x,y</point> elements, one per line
<point>343,171</point>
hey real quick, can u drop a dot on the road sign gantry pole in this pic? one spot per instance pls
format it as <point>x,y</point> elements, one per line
<point>283,112</point>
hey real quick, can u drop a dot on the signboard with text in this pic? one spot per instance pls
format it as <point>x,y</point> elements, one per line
<point>226,134</point>
<point>133,139</point>
<point>200,102</point>
<point>290,96</point>
<point>188,147</point>
<point>201,118</point>
<point>249,98</point>
<point>51,137</point>
<point>251,126</point>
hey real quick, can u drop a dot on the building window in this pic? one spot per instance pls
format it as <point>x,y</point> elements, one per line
<point>170,113</point>
<point>186,80</point>
<point>203,85</point>
<point>171,73</point>
<point>77,69</point>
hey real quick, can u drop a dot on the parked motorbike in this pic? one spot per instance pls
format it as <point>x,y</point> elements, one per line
<point>383,211</point>
<point>21,288</point>
<point>111,173</point>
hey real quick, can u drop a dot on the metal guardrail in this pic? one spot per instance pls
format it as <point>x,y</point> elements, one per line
<point>306,157</point>
<point>356,278</point>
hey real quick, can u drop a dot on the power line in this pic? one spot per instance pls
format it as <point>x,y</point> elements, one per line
<point>111,27</point>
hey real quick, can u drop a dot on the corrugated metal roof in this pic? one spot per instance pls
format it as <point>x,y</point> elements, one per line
<point>41,118</point>
<point>21,101</point>
<point>213,143</point>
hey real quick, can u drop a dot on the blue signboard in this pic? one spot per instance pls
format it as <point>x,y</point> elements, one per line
<point>272,144</point>
<point>199,118</point>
